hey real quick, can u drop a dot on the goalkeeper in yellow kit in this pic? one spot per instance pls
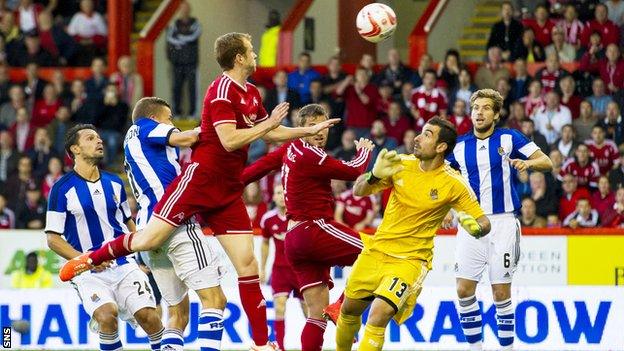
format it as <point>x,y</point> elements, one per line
<point>390,270</point>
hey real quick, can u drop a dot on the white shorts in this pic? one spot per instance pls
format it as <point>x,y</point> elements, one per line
<point>187,260</point>
<point>126,286</point>
<point>499,251</point>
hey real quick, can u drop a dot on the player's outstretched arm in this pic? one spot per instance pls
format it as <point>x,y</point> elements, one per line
<point>184,139</point>
<point>538,161</point>
<point>387,164</point>
<point>282,133</point>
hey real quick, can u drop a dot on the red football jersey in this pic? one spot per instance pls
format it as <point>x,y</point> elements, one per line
<point>275,226</point>
<point>226,101</point>
<point>586,176</point>
<point>605,156</point>
<point>355,207</point>
<point>428,104</point>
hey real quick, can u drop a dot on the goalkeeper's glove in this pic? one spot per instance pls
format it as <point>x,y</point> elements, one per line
<point>387,164</point>
<point>470,224</point>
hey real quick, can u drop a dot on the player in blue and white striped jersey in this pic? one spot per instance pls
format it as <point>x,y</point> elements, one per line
<point>490,159</point>
<point>89,207</point>
<point>186,260</point>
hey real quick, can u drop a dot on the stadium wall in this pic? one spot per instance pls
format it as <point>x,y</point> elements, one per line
<point>325,15</point>
<point>448,29</point>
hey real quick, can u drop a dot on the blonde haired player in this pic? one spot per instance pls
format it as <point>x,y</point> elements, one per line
<point>389,273</point>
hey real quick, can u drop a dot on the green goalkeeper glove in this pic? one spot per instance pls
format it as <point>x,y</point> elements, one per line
<point>470,224</point>
<point>387,164</point>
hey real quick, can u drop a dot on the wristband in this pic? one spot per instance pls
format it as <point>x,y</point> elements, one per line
<point>371,179</point>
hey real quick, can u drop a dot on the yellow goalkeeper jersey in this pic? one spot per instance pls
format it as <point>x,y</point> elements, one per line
<point>418,203</point>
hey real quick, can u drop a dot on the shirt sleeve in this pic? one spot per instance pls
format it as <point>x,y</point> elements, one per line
<point>221,111</point>
<point>264,165</point>
<point>465,199</point>
<point>57,211</point>
<point>159,133</point>
<point>336,169</point>
<point>124,206</point>
<point>522,147</point>
<point>266,233</point>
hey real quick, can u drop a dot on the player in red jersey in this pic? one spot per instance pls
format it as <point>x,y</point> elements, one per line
<point>603,151</point>
<point>314,242</point>
<point>274,225</point>
<point>583,168</point>
<point>210,186</point>
<point>357,212</point>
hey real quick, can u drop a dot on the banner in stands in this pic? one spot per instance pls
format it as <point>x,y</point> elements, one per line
<point>595,260</point>
<point>547,318</point>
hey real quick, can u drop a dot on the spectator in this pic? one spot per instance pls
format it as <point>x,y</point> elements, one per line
<point>584,216</point>
<point>27,14</point>
<point>603,151</point>
<point>599,99</point>
<point>55,172</point>
<point>346,151</point>
<point>568,98</point>
<point>448,72</point>
<point>41,153</point>
<point>516,116</point>
<point>361,98</point>
<point>33,276</point>
<point>425,64</point>
<point>551,74</point>
<point>550,119</point>
<point>613,123</point>
<point>520,82</point>
<point>385,98</point>
<point>45,108</point>
<point>566,144</point>
<point>15,186</point>
<point>572,27</point>
<point>8,110</point>
<point>503,87</point>
<point>83,109</point>
<point>609,32</point>
<point>395,123</point>
<point>528,129</point>
<point>112,122</point>
<point>357,212</point>
<point>541,25</point>
<point>614,216</point>
<point>281,93</point>
<point>584,170</point>
<point>61,86</point>
<point>8,156</point>
<point>463,91</point>
<point>378,135</point>
<point>616,11</point>
<point>55,40</point>
<point>610,68</point>
<point>316,92</point>
<point>33,86</point>
<point>595,48</point>
<point>5,83</point>
<point>267,56</point>
<point>459,118</point>
<point>585,123</point>
<point>395,72</point>
<point>571,194</point>
<point>405,100</point>
<point>616,176</point>
<point>566,52</point>
<point>489,73</point>
<point>31,213</point>
<point>544,197</point>
<point>31,51</point>
<point>408,142</point>
<point>529,217</point>
<point>57,129</point>
<point>527,48</point>
<point>88,29</point>
<point>10,31</point>
<point>534,101</point>
<point>256,208</point>
<point>95,86</point>
<point>129,82</point>
<point>22,131</point>
<point>428,101</point>
<point>299,80</point>
<point>368,63</point>
<point>602,199</point>
<point>506,32</point>
<point>557,159</point>
<point>7,216</point>
<point>183,53</point>
<point>331,81</point>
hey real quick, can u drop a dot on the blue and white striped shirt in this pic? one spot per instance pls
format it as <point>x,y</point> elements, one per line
<point>151,164</point>
<point>88,213</point>
<point>485,164</point>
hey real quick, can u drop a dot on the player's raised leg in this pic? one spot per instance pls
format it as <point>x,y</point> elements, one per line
<point>211,318</point>
<point>106,318</point>
<point>317,298</point>
<point>470,313</point>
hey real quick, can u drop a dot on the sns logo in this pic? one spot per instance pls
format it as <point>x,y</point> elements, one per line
<point>6,337</point>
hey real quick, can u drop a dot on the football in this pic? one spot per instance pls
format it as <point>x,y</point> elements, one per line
<point>376,22</point>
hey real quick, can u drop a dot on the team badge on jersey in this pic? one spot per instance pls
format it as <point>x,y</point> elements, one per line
<point>95,298</point>
<point>433,194</point>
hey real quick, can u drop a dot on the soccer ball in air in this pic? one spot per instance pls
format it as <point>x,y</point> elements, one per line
<point>376,22</point>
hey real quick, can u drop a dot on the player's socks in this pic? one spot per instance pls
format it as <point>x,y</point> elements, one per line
<point>210,329</point>
<point>110,342</point>
<point>280,329</point>
<point>346,328</point>
<point>505,320</point>
<point>255,307</point>
<point>373,338</point>
<point>312,334</point>
<point>118,247</point>
<point>155,339</point>
<point>172,340</point>
<point>470,318</point>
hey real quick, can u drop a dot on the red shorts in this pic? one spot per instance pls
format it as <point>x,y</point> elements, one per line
<point>313,247</point>
<point>284,281</point>
<point>199,192</point>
